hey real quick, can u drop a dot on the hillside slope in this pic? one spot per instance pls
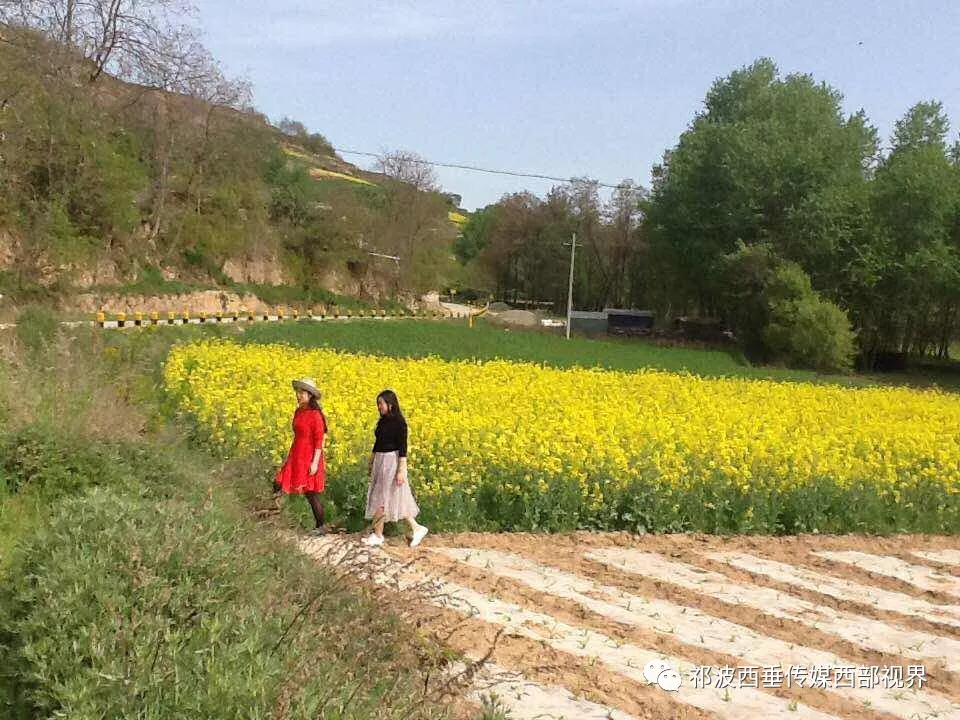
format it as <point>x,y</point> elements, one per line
<point>109,186</point>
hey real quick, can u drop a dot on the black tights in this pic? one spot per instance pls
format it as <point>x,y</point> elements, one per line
<point>316,504</point>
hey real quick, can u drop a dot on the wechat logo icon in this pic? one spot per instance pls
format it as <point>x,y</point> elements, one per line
<point>660,673</point>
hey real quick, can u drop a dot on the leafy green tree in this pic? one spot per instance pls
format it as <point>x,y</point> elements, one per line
<point>747,273</point>
<point>475,234</point>
<point>769,160</point>
<point>916,258</point>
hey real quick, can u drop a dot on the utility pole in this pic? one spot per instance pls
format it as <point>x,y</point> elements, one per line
<point>573,248</point>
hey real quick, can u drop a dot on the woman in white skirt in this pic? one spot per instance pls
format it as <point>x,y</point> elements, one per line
<point>389,497</point>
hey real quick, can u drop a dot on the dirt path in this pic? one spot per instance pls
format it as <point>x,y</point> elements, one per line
<point>575,625</point>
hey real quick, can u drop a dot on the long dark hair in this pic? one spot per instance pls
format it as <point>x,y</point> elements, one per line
<point>314,404</point>
<point>393,404</point>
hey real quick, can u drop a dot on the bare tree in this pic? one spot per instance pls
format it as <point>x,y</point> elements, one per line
<point>123,37</point>
<point>292,128</point>
<point>189,69</point>
<point>623,216</point>
<point>408,167</point>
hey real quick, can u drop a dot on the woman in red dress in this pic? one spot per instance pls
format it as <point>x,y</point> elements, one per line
<point>305,472</point>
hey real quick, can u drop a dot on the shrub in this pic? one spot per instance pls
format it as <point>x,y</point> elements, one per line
<point>38,458</point>
<point>778,316</point>
<point>805,330</point>
<point>129,608</point>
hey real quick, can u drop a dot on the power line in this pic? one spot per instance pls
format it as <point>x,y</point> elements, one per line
<point>474,168</point>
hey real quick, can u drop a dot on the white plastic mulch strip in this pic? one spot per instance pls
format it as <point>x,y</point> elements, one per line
<point>842,589</point>
<point>948,557</point>
<point>866,632</point>
<point>689,625</point>
<point>624,659</point>
<point>920,576</point>
<point>527,700</point>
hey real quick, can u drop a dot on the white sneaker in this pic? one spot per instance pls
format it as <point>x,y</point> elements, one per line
<point>373,540</point>
<point>419,534</point>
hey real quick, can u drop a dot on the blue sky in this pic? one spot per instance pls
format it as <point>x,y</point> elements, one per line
<point>564,88</point>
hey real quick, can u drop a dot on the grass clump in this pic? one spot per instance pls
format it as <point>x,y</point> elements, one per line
<point>36,329</point>
<point>131,608</point>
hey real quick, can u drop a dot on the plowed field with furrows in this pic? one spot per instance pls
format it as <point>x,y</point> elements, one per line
<point>577,626</point>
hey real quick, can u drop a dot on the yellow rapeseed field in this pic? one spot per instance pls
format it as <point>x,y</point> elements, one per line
<point>321,174</point>
<point>527,427</point>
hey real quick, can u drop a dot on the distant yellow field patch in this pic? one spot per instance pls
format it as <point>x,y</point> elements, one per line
<point>296,153</point>
<point>458,218</point>
<point>333,175</point>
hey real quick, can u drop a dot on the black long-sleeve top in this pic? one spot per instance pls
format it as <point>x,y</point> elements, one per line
<point>391,434</point>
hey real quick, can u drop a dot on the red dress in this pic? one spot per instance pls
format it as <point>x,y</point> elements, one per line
<point>308,430</point>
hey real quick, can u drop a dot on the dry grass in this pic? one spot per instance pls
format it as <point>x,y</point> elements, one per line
<point>67,386</point>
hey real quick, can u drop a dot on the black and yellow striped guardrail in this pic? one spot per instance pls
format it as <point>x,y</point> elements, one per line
<point>105,319</point>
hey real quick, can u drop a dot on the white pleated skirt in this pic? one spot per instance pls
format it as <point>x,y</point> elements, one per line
<point>397,501</point>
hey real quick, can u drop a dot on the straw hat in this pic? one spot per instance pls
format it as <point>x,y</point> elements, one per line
<point>308,385</point>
